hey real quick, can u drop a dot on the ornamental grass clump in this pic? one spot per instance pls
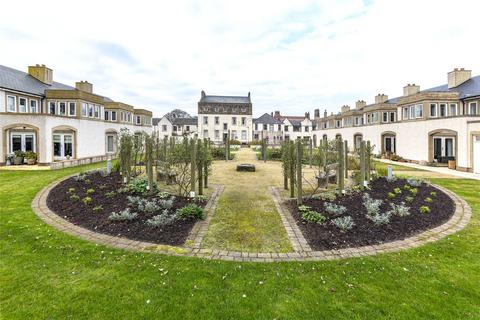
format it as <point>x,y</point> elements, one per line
<point>343,223</point>
<point>124,215</point>
<point>334,209</point>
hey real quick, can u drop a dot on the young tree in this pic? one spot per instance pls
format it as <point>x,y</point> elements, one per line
<point>125,154</point>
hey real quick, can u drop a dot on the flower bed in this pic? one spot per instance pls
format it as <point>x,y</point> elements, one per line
<point>102,203</point>
<point>384,212</point>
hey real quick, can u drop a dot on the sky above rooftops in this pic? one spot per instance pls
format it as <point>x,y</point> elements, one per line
<point>293,56</point>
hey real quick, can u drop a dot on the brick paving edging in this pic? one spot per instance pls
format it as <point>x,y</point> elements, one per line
<point>457,222</point>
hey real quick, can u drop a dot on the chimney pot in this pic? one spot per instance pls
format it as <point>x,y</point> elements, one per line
<point>84,86</point>
<point>41,73</point>
<point>458,76</point>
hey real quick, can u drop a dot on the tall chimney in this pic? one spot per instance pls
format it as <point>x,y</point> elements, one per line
<point>202,94</point>
<point>458,76</point>
<point>316,113</point>
<point>410,89</point>
<point>380,98</point>
<point>277,114</point>
<point>41,73</point>
<point>325,113</point>
<point>84,86</point>
<point>345,108</point>
<point>360,104</point>
<point>307,115</point>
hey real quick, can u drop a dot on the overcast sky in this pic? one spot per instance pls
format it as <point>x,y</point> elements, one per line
<point>292,56</point>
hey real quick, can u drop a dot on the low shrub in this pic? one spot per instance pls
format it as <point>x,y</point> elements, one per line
<point>424,209</point>
<point>139,186</point>
<point>429,200</point>
<point>409,199</point>
<point>87,181</point>
<point>400,210</point>
<point>98,209</point>
<point>166,203</point>
<point>391,195</point>
<point>343,223</point>
<point>303,208</point>
<point>414,191</point>
<point>391,179</point>
<point>163,195</point>
<point>200,198</point>
<point>414,182</point>
<point>102,186</point>
<point>110,194</point>
<point>326,196</point>
<point>124,215</point>
<point>313,216</point>
<point>71,190</point>
<point>372,205</point>
<point>397,191</point>
<point>190,210</point>
<point>87,200</point>
<point>162,219</point>
<point>74,197</point>
<point>380,218</point>
<point>90,191</point>
<point>334,209</point>
<point>218,153</point>
<point>80,177</point>
<point>406,187</point>
<point>151,207</point>
<point>433,194</point>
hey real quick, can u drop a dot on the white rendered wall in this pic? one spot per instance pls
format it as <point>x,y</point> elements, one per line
<point>223,118</point>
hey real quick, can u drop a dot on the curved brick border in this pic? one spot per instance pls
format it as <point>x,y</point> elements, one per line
<point>302,252</point>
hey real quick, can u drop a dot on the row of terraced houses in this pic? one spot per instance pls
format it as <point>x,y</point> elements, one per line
<point>68,125</point>
<point>63,125</point>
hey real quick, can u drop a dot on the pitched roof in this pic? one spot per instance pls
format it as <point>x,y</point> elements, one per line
<point>470,88</point>
<point>155,121</point>
<point>266,119</point>
<point>185,121</point>
<point>21,81</point>
<point>225,99</point>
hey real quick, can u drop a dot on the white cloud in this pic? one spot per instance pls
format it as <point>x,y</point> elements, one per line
<point>292,55</point>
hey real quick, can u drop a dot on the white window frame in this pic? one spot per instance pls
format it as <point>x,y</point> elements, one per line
<point>390,119</point>
<point>30,105</point>
<point>430,110</point>
<point>50,104</point>
<point>25,100</point>
<point>205,120</point>
<point>138,120</point>
<point>62,145</point>
<point>91,112</point>
<point>440,110</point>
<point>59,109</point>
<point>406,113</point>
<point>14,103</point>
<point>470,104</point>
<point>96,111</point>
<point>244,135</point>
<point>84,109</point>
<point>244,121</point>
<point>385,117</point>
<point>450,109</point>
<point>418,111</point>
<point>113,143</point>
<point>113,114</point>
<point>23,135</point>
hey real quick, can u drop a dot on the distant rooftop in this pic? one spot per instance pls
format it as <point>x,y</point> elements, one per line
<point>225,99</point>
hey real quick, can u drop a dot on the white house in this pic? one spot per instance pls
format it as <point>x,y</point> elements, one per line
<point>176,123</point>
<point>64,125</point>
<point>217,115</point>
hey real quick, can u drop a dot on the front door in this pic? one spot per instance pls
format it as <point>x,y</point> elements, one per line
<point>62,146</point>
<point>443,149</point>
<point>22,141</point>
<point>389,143</point>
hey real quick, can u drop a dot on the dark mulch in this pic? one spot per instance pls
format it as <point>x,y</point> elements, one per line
<point>327,236</point>
<point>83,215</point>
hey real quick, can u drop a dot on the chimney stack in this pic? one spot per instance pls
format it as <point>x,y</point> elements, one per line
<point>345,108</point>
<point>360,104</point>
<point>307,115</point>
<point>458,76</point>
<point>84,86</point>
<point>325,113</point>
<point>202,94</point>
<point>380,98</point>
<point>410,89</point>
<point>41,73</point>
<point>316,113</point>
<point>277,114</point>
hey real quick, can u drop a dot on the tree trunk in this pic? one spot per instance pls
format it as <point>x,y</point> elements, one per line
<point>340,169</point>
<point>362,162</point>
<point>193,150</point>
<point>367,161</point>
<point>200,152</point>
<point>346,158</point>
<point>205,163</point>
<point>299,173</point>
<point>291,171</point>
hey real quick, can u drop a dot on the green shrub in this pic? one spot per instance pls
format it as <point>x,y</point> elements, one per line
<point>424,209</point>
<point>87,181</point>
<point>343,223</point>
<point>397,191</point>
<point>313,216</point>
<point>140,186</point>
<point>190,210</point>
<point>409,199</point>
<point>400,210</point>
<point>115,165</point>
<point>98,209</point>
<point>428,199</point>
<point>218,153</point>
<point>433,194</point>
<point>71,190</point>
<point>303,208</point>
<point>414,191</point>
<point>87,200</point>
<point>406,187</point>
<point>110,194</point>
<point>163,195</point>
<point>74,197</point>
<point>391,195</point>
<point>90,191</point>
<point>102,186</point>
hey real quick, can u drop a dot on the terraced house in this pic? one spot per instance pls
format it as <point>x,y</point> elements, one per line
<point>63,125</point>
<point>434,126</point>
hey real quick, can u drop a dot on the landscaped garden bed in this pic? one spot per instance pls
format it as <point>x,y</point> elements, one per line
<point>104,204</point>
<point>386,211</point>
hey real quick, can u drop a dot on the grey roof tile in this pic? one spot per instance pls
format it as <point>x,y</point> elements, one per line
<point>225,99</point>
<point>266,119</point>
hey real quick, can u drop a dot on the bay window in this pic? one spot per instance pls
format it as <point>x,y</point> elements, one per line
<point>84,109</point>
<point>11,104</point>
<point>62,109</point>
<point>114,115</point>
<point>33,106</point>
<point>22,105</point>
<point>418,111</point>
<point>433,110</point>
<point>51,107</point>
<point>443,110</point>
<point>453,109</point>
<point>472,108</point>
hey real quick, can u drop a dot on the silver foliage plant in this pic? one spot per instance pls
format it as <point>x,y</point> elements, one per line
<point>372,205</point>
<point>400,210</point>
<point>162,219</point>
<point>124,215</point>
<point>334,209</point>
<point>343,223</point>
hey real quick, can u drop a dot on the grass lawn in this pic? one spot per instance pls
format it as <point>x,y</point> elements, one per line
<point>246,218</point>
<point>46,274</point>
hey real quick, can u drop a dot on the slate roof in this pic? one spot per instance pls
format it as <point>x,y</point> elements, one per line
<point>21,81</point>
<point>225,99</point>
<point>185,121</point>
<point>470,88</point>
<point>155,121</point>
<point>266,119</point>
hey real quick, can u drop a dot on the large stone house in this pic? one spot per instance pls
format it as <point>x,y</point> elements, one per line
<point>176,123</point>
<point>426,126</point>
<point>217,115</point>
<point>269,128</point>
<point>64,125</point>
